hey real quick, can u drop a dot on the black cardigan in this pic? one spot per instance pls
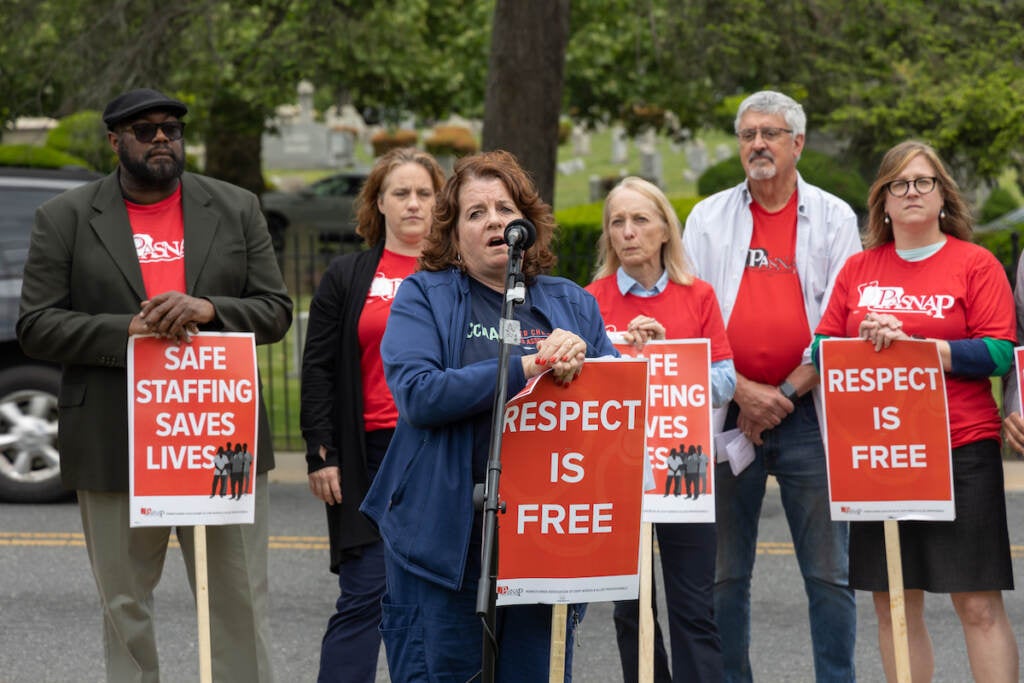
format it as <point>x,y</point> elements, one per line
<point>332,395</point>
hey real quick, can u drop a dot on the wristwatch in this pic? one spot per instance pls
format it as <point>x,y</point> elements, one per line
<point>789,391</point>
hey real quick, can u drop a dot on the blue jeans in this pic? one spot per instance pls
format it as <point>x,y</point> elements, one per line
<point>348,653</point>
<point>351,644</point>
<point>433,635</point>
<point>688,568</point>
<point>793,452</point>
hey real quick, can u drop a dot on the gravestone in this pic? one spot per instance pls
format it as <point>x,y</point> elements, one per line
<point>620,146</point>
<point>580,141</point>
<point>696,156</point>
<point>300,141</point>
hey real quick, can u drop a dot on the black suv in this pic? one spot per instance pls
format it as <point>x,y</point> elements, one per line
<point>326,207</point>
<point>29,464</point>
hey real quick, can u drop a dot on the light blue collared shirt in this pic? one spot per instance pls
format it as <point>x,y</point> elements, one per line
<point>627,285</point>
<point>723,372</point>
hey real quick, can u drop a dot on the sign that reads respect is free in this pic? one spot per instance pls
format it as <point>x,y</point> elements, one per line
<point>886,431</point>
<point>572,480</point>
<point>192,429</point>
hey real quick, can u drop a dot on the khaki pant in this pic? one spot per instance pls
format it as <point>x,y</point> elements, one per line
<point>127,564</point>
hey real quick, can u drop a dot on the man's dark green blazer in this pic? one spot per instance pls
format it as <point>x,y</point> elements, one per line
<point>83,284</point>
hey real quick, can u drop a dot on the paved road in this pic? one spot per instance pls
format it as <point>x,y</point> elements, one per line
<point>50,626</point>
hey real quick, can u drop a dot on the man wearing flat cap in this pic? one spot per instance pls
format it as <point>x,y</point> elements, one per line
<point>151,249</point>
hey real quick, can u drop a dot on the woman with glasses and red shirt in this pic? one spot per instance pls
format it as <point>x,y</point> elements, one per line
<point>921,277</point>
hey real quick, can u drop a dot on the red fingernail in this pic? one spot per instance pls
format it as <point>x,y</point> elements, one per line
<point>565,359</point>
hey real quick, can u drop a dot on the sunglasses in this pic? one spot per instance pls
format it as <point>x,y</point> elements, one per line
<point>146,132</point>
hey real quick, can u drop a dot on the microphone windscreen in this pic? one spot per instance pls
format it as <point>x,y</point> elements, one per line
<point>527,233</point>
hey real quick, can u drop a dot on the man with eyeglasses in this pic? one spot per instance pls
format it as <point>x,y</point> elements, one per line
<point>151,249</point>
<point>772,247</point>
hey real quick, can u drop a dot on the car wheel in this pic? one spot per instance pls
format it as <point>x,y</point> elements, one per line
<point>29,462</point>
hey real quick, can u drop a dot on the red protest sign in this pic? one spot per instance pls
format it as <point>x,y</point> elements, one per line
<point>679,443</point>
<point>1018,371</point>
<point>886,431</point>
<point>572,473</point>
<point>193,411</point>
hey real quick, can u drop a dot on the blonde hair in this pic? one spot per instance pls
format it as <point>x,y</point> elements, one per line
<point>673,257</point>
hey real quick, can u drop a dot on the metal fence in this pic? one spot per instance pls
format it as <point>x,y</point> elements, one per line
<point>303,258</point>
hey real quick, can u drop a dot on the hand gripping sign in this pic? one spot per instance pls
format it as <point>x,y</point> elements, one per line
<point>192,429</point>
<point>572,473</point>
<point>679,443</point>
<point>886,431</point>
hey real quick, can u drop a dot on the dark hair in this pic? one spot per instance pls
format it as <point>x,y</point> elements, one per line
<point>957,221</point>
<point>369,219</point>
<point>441,251</point>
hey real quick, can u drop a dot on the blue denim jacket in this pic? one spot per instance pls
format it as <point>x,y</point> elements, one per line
<point>422,497</point>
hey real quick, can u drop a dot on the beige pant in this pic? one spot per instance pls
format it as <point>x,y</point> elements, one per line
<point>127,564</point>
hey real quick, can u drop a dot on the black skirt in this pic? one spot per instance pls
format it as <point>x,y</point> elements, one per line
<point>969,554</point>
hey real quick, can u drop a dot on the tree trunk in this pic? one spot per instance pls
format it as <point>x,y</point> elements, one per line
<point>233,142</point>
<point>524,85</point>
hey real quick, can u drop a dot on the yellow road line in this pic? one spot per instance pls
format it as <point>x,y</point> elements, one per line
<point>64,539</point>
<point>29,539</point>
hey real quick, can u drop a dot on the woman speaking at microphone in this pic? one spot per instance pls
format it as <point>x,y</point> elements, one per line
<point>645,291</point>
<point>440,354</point>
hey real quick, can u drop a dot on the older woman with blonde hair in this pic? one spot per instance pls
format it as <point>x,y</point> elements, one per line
<point>921,278</point>
<point>646,291</point>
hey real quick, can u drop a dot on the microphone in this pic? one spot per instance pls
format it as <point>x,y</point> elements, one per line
<point>520,233</point>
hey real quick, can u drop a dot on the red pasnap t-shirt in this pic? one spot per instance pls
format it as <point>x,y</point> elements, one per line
<point>379,411</point>
<point>159,233</point>
<point>686,311</point>
<point>768,328</point>
<point>959,292</point>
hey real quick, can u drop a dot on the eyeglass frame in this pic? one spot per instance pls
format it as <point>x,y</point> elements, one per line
<point>934,180</point>
<point>768,133</point>
<point>176,133</point>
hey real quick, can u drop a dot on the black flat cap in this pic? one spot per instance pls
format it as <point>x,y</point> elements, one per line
<point>137,101</point>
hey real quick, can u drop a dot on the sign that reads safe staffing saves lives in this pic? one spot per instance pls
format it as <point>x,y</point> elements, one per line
<point>572,482</point>
<point>192,429</point>
<point>679,443</point>
<point>886,431</point>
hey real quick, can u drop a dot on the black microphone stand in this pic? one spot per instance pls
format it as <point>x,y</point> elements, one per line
<point>485,495</point>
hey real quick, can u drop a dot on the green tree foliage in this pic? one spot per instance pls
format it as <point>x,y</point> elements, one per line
<point>869,72</point>
<point>1000,201</point>
<point>83,135</point>
<point>34,156</point>
<point>233,61</point>
<point>950,74</point>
